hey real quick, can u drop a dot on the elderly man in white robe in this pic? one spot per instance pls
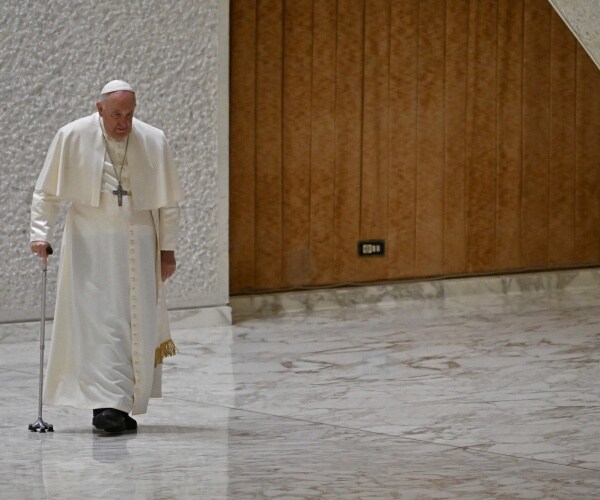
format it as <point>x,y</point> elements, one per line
<point>110,331</point>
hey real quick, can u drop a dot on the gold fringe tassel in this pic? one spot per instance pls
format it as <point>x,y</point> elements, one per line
<point>164,350</point>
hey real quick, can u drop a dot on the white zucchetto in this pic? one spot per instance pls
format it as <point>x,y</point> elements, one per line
<point>115,86</point>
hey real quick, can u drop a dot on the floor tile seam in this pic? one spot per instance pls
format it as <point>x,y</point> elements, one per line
<point>469,448</point>
<point>474,449</point>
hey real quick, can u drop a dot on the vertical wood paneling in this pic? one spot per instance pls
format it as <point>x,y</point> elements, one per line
<point>455,102</point>
<point>510,82</point>
<point>481,135</point>
<point>297,67</point>
<point>268,246</point>
<point>463,132</point>
<point>536,132</point>
<point>375,135</point>
<point>243,153</point>
<point>587,160</point>
<point>403,138</point>
<point>561,185</point>
<point>430,140</point>
<point>322,154</point>
<point>348,135</point>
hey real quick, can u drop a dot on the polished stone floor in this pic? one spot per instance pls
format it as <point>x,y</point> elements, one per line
<point>473,389</point>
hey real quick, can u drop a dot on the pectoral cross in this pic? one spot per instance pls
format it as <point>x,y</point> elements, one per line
<point>119,193</point>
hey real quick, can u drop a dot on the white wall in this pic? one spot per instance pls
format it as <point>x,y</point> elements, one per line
<point>55,56</point>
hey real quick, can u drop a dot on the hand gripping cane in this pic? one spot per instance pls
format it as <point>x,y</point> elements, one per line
<point>39,425</point>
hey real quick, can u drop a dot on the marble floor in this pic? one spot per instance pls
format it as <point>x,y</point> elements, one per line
<point>471,390</point>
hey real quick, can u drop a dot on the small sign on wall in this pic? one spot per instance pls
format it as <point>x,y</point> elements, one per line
<point>371,248</point>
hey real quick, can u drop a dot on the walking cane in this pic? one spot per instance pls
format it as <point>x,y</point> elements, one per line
<point>39,425</point>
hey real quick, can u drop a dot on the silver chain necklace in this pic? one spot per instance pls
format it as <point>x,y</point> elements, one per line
<point>119,192</point>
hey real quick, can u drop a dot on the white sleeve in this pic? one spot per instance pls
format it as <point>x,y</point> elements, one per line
<point>169,227</point>
<point>44,213</point>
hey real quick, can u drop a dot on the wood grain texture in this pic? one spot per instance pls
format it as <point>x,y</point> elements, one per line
<point>322,153</point>
<point>587,160</point>
<point>429,234</point>
<point>481,135</point>
<point>536,133</point>
<point>403,138</point>
<point>561,178</point>
<point>455,128</point>
<point>462,132</point>
<point>242,156</point>
<point>269,109</point>
<point>348,135</point>
<point>375,136</point>
<point>510,151</point>
<point>297,78</point>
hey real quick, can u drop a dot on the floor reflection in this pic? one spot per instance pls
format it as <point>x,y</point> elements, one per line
<point>464,396</point>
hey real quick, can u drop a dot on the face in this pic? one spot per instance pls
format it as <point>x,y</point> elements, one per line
<point>117,113</point>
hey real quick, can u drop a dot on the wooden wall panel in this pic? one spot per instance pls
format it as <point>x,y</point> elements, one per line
<point>268,161</point>
<point>322,155</point>
<point>375,135</point>
<point>561,178</point>
<point>481,135</point>
<point>536,133</point>
<point>510,117</point>
<point>463,132</point>
<point>429,253</point>
<point>348,135</point>
<point>587,158</point>
<point>455,128</point>
<point>297,78</point>
<point>403,138</point>
<point>243,144</point>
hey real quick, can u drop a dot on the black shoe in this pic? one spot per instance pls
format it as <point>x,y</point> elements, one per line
<point>109,420</point>
<point>98,410</point>
<point>130,423</point>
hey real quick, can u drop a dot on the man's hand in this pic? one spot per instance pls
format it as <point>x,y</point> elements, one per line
<point>167,264</point>
<point>40,248</point>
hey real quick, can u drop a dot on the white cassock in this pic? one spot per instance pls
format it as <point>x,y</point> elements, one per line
<point>110,330</point>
